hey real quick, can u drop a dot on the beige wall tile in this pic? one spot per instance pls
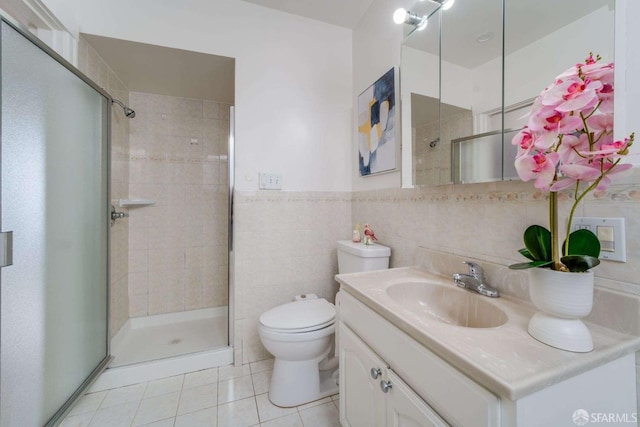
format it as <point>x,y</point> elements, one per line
<point>284,245</point>
<point>168,164</point>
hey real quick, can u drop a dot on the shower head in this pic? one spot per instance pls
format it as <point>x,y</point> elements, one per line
<point>127,111</point>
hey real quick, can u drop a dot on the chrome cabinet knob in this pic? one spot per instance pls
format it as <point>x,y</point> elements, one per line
<point>375,373</point>
<point>385,386</point>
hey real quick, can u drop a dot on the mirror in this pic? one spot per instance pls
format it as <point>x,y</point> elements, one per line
<point>461,131</point>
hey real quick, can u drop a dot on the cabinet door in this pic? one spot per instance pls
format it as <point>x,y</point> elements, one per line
<point>362,403</point>
<point>406,409</point>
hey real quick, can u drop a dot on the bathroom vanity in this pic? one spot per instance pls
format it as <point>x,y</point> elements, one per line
<point>416,350</point>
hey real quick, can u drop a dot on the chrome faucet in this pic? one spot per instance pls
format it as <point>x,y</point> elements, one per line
<point>474,281</point>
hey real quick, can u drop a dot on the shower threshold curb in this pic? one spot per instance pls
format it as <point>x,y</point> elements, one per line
<point>153,370</point>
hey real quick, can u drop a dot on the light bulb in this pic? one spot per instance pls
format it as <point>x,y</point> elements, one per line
<point>399,16</point>
<point>447,4</point>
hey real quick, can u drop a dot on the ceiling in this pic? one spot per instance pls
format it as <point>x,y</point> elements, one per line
<point>167,71</point>
<point>344,13</point>
<point>175,72</point>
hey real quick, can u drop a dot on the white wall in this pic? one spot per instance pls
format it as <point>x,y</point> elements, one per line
<point>627,108</point>
<point>293,80</point>
<point>376,48</point>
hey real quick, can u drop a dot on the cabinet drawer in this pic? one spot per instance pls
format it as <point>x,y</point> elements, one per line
<point>458,399</point>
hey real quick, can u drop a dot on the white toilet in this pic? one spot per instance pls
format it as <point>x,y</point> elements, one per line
<point>300,335</point>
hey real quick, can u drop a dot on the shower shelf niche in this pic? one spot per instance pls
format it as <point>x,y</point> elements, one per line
<point>136,203</point>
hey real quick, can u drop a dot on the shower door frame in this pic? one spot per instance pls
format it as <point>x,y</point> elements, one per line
<point>66,407</point>
<point>231,295</point>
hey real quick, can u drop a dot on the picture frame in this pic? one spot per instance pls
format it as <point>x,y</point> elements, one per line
<point>377,137</point>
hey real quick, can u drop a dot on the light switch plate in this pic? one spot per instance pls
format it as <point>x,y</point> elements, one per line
<point>615,250</point>
<point>270,181</point>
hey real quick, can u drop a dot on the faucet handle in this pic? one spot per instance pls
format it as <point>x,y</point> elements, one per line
<point>475,270</point>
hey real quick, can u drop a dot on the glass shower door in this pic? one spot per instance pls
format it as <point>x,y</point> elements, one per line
<point>54,175</point>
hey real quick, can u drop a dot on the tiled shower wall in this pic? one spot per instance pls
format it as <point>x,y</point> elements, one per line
<point>97,70</point>
<point>432,165</point>
<point>285,244</point>
<point>178,248</point>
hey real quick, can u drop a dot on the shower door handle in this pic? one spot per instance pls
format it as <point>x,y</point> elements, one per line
<point>6,249</point>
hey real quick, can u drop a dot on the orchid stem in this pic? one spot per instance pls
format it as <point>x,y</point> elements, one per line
<point>553,225</point>
<point>577,201</point>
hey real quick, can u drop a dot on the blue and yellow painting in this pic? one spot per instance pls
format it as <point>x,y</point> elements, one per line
<point>376,126</point>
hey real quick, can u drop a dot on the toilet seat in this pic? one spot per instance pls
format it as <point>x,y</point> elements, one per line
<point>299,317</point>
<point>300,330</point>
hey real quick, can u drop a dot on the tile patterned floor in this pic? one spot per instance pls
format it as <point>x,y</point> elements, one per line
<point>219,397</point>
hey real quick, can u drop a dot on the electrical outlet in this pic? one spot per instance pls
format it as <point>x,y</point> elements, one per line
<point>610,232</point>
<point>270,181</point>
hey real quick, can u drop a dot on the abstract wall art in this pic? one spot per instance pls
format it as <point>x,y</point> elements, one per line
<point>376,126</point>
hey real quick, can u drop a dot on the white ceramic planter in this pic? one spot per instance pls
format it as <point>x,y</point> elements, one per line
<point>563,299</point>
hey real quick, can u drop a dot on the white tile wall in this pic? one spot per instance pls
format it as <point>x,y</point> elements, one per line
<point>285,244</point>
<point>178,248</point>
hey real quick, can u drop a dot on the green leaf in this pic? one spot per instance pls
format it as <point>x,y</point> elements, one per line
<point>537,240</point>
<point>579,263</point>
<point>525,253</point>
<point>583,242</point>
<point>526,265</point>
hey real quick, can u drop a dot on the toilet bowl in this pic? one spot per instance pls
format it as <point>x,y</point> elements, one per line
<point>300,335</point>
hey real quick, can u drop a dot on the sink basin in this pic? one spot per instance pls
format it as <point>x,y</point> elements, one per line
<point>448,305</point>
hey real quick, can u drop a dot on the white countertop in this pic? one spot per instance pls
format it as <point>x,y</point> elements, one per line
<point>506,360</point>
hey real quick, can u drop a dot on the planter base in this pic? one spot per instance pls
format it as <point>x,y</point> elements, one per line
<point>565,334</point>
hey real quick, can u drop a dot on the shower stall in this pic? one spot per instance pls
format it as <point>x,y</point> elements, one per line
<point>178,209</point>
<point>114,227</point>
<point>171,195</point>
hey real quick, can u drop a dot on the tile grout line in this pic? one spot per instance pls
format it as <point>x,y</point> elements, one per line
<point>139,404</point>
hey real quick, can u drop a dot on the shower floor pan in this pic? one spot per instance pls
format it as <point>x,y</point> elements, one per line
<point>154,347</point>
<point>143,339</point>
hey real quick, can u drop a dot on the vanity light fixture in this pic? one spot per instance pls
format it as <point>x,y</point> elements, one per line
<point>402,16</point>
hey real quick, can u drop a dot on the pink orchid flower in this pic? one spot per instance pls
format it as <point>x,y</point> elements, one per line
<point>605,75</point>
<point>540,166</point>
<point>569,150</point>
<point>550,122</point>
<point>568,140</point>
<point>573,94</point>
<point>601,123</point>
<point>608,149</point>
<point>605,182</point>
<point>524,141</point>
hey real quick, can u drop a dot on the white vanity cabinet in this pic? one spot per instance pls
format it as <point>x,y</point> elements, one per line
<point>372,395</point>
<point>426,390</point>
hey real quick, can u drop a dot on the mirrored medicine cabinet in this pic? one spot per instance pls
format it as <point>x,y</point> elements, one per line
<point>468,79</point>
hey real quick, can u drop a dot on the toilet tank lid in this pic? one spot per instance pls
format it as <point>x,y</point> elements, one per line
<point>299,314</point>
<point>362,250</point>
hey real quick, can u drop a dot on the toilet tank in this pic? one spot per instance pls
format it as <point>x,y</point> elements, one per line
<point>357,257</point>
